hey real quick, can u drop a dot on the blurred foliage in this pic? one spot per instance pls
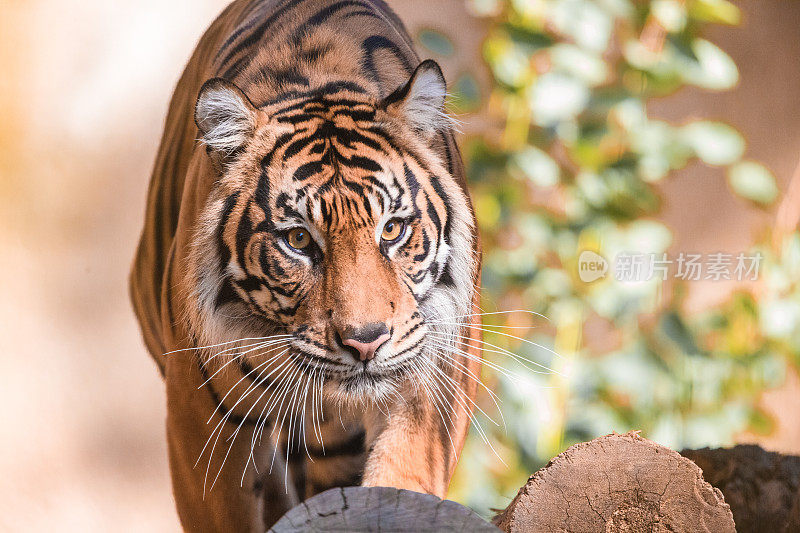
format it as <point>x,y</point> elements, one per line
<point>575,167</point>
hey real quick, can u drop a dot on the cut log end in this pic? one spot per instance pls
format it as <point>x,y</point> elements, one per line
<point>618,483</point>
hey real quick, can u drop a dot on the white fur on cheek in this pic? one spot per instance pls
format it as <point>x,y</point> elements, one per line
<point>453,304</point>
<point>206,324</point>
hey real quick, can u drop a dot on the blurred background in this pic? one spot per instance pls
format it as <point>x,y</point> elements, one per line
<point>663,128</point>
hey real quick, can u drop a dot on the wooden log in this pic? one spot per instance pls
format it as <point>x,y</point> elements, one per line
<point>618,483</point>
<point>762,488</point>
<point>361,509</point>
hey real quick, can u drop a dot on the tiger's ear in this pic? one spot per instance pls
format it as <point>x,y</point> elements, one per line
<point>225,116</point>
<point>421,100</point>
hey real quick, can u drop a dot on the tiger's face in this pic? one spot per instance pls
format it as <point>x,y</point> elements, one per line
<point>335,223</point>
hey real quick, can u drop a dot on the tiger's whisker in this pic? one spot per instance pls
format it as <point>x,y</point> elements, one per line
<point>443,376</point>
<point>272,348</point>
<point>527,341</point>
<point>290,411</point>
<point>233,351</point>
<point>434,400</point>
<point>261,378</point>
<point>232,438</point>
<point>219,428</point>
<point>469,315</point>
<point>283,381</point>
<point>301,417</point>
<point>467,372</point>
<point>224,343</point>
<point>491,364</point>
<point>271,359</point>
<point>314,418</point>
<point>263,418</point>
<point>483,327</point>
<point>279,423</point>
<point>470,415</point>
<point>495,349</point>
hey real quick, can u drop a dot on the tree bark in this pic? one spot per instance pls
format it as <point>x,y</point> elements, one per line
<point>762,488</point>
<point>361,509</point>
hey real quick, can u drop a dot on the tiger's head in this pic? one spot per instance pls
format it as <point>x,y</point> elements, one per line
<point>334,222</point>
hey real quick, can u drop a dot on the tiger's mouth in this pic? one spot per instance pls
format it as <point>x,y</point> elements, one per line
<point>367,380</point>
<point>366,383</point>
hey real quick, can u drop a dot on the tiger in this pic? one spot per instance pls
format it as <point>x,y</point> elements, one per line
<point>306,277</point>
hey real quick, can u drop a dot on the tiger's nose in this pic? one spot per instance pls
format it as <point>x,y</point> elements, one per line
<point>364,341</point>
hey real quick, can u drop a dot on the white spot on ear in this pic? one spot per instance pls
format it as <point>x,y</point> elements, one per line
<point>421,100</point>
<point>224,115</point>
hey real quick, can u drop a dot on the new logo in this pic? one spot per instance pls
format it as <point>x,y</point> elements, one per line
<point>591,266</point>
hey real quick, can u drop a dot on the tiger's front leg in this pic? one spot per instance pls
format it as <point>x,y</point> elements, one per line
<point>413,450</point>
<point>213,491</point>
<point>416,447</point>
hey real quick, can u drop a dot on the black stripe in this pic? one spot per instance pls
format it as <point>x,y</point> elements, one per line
<point>321,16</point>
<point>224,411</point>
<point>352,480</point>
<point>245,16</point>
<point>410,348</point>
<point>447,154</point>
<point>224,252</point>
<point>259,31</point>
<point>352,446</point>
<point>307,170</point>
<point>437,186</point>
<point>363,13</point>
<point>243,233</point>
<point>226,294</point>
<point>411,330</point>
<point>372,45</point>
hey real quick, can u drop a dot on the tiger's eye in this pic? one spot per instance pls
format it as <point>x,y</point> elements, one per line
<point>393,230</point>
<point>298,238</point>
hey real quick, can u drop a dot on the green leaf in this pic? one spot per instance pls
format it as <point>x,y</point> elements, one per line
<point>675,329</point>
<point>584,21</point>
<point>670,13</point>
<point>780,318</point>
<point>436,42</point>
<point>509,63</point>
<point>617,193</point>
<point>528,39</point>
<point>761,422</point>
<point>466,93</point>
<point>714,69</point>
<point>716,143</point>
<point>556,97</point>
<point>717,11</point>
<point>753,181</point>
<point>537,166</point>
<point>488,210</point>
<point>586,66</point>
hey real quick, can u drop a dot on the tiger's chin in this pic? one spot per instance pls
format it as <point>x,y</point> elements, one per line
<point>365,385</point>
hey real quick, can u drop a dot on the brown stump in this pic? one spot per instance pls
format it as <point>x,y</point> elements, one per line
<point>762,488</point>
<point>618,483</point>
